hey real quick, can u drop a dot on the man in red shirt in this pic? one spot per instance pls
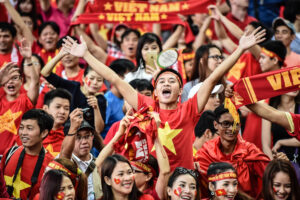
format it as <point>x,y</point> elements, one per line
<point>8,53</point>
<point>248,160</point>
<point>24,166</point>
<point>178,120</point>
<point>57,104</point>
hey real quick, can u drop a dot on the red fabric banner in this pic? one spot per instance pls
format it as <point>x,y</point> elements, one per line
<point>262,86</point>
<point>139,12</point>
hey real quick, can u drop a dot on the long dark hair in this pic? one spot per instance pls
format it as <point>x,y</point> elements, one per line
<point>51,183</point>
<point>276,101</point>
<point>271,170</point>
<point>201,70</point>
<point>107,169</point>
<point>147,38</point>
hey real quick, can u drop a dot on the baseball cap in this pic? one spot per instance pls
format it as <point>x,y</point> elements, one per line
<point>217,89</point>
<point>84,125</point>
<point>279,21</point>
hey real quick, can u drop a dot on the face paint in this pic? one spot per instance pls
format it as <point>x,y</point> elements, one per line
<point>177,191</point>
<point>274,190</point>
<point>87,81</point>
<point>221,192</point>
<point>117,181</point>
<point>60,195</point>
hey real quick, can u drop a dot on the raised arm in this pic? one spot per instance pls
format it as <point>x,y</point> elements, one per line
<point>97,37</point>
<point>45,5</point>
<point>108,149</point>
<point>163,162</point>
<point>33,90</point>
<point>245,43</point>
<point>266,138</point>
<point>269,113</point>
<point>172,40</point>
<point>201,36</point>
<point>80,50</point>
<point>98,121</point>
<point>68,144</point>
<point>47,69</point>
<point>95,50</point>
<point>25,31</point>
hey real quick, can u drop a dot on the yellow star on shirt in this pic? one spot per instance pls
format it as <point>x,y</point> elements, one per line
<point>7,121</point>
<point>18,185</point>
<point>107,6</point>
<point>101,16</point>
<point>166,136</point>
<point>236,70</point>
<point>49,148</point>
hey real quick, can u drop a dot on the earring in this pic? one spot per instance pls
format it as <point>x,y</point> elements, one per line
<point>212,194</point>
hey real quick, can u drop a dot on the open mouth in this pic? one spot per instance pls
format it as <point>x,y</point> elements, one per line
<point>166,92</point>
<point>127,184</point>
<point>24,139</point>
<point>131,49</point>
<point>11,88</point>
<point>185,197</point>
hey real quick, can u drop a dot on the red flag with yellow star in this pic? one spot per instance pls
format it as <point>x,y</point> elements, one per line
<point>220,192</point>
<point>141,131</point>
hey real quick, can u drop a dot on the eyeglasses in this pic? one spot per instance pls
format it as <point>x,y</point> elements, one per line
<point>217,57</point>
<point>227,124</point>
<point>86,137</point>
<point>182,170</point>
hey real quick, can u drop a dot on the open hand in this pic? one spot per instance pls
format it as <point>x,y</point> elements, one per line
<point>25,48</point>
<point>250,39</point>
<point>7,72</point>
<point>72,47</point>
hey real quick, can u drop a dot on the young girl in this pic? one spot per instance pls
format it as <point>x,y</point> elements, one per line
<point>280,181</point>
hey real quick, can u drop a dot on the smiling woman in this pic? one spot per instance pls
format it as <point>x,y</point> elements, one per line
<point>280,181</point>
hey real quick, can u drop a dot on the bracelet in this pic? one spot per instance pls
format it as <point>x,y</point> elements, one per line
<point>72,134</point>
<point>27,64</point>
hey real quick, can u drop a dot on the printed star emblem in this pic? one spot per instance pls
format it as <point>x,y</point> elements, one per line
<point>101,16</point>
<point>236,70</point>
<point>107,6</point>
<point>164,16</point>
<point>49,148</point>
<point>18,185</point>
<point>166,136</point>
<point>185,6</point>
<point>7,121</point>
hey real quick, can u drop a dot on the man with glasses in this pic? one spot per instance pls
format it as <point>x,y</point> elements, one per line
<point>77,144</point>
<point>248,160</point>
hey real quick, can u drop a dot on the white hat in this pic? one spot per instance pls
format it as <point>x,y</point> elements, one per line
<point>217,89</point>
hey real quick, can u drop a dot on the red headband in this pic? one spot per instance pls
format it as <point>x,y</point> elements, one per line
<point>144,167</point>
<point>270,54</point>
<point>222,176</point>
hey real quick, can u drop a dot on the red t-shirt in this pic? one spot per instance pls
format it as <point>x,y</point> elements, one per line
<point>176,131</point>
<point>47,55</point>
<point>53,141</point>
<point>246,66</point>
<point>11,113</point>
<point>22,183</point>
<point>60,71</point>
<point>111,132</point>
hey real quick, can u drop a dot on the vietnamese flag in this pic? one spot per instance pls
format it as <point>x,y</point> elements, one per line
<point>220,192</point>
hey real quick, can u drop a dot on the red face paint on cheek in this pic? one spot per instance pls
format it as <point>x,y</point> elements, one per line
<point>274,190</point>
<point>117,181</point>
<point>60,195</point>
<point>177,191</point>
<point>87,81</point>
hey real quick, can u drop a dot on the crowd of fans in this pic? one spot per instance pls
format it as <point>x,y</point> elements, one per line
<point>87,112</point>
